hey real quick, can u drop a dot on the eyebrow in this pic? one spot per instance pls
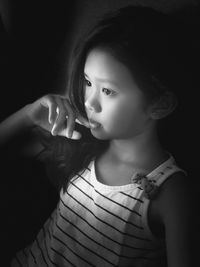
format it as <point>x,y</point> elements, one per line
<point>103,80</point>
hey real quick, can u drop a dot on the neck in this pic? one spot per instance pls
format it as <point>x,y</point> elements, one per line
<point>143,151</point>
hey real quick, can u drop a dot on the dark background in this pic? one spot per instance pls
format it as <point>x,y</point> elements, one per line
<point>36,38</point>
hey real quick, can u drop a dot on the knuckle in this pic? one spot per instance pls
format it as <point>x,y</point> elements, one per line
<point>48,97</point>
<point>71,114</point>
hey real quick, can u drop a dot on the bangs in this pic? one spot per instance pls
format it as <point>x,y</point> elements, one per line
<point>140,38</point>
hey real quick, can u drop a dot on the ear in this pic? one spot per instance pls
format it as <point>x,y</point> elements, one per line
<point>164,106</point>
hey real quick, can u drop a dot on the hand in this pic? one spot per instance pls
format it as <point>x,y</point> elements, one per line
<point>55,114</point>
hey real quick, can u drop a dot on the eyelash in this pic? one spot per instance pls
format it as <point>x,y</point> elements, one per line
<point>88,83</point>
<point>108,90</point>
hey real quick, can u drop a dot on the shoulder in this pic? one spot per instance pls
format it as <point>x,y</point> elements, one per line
<point>174,197</point>
<point>173,187</point>
<point>174,208</point>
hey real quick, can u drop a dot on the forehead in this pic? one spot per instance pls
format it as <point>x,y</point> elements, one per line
<point>102,67</point>
<point>101,63</point>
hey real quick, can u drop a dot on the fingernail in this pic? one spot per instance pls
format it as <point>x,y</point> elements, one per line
<point>69,135</point>
<point>87,124</point>
<point>53,132</point>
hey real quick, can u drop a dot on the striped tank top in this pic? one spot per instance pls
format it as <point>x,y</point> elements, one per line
<point>100,225</point>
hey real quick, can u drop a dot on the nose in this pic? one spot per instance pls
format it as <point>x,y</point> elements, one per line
<point>92,103</point>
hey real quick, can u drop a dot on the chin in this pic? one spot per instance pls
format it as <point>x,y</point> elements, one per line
<point>101,135</point>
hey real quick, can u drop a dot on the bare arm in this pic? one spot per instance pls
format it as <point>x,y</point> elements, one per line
<point>48,112</point>
<point>174,207</point>
<point>14,125</point>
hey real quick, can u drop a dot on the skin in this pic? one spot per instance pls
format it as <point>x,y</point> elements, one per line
<point>115,101</point>
<point>126,119</point>
<point>124,115</point>
<point>129,122</point>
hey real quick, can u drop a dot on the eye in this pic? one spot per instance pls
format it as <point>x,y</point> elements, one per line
<point>108,92</point>
<point>87,83</point>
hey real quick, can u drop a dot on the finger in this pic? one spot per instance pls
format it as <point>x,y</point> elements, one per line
<point>70,119</point>
<point>60,122</point>
<point>81,120</point>
<point>75,136</point>
<point>49,103</point>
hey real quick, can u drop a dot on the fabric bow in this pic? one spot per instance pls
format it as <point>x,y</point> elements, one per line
<point>149,186</point>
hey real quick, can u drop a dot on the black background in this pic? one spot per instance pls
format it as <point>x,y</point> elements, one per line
<point>35,43</point>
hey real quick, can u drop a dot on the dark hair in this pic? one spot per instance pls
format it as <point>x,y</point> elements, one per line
<point>142,39</point>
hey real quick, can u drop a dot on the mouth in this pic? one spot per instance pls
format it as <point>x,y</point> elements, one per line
<point>94,124</point>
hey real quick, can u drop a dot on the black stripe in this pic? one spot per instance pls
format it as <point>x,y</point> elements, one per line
<point>83,245</point>
<point>52,235</point>
<point>137,213</point>
<point>88,236</point>
<point>76,176</point>
<point>55,237</point>
<point>114,241</point>
<point>18,261</point>
<point>80,173</point>
<point>45,243</point>
<point>86,180</point>
<point>54,217</point>
<point>123,193</point>
<point>123,256</point>
<point>116,229</point>
<point>135,225</point>
<point>33,256</point>
<point>41,252</point>
<point>63,256</point>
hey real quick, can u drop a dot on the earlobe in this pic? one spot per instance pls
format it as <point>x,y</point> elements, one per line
<point>164,106</point>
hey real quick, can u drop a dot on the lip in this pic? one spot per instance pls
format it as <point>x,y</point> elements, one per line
<point>94,124</point>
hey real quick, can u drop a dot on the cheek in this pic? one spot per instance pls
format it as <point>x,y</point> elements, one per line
<point>127,119</point>
<point>126,116</point>
<point>124,110</point>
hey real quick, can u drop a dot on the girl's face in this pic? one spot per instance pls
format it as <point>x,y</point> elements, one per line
<point>115,106</point>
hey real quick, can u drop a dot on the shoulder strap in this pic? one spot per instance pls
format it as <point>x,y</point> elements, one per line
<point>163,171</point>
<point>166,173</point>
<point>151,182</point>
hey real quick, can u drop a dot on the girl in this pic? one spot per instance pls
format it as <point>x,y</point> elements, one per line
<point>123,199</point>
